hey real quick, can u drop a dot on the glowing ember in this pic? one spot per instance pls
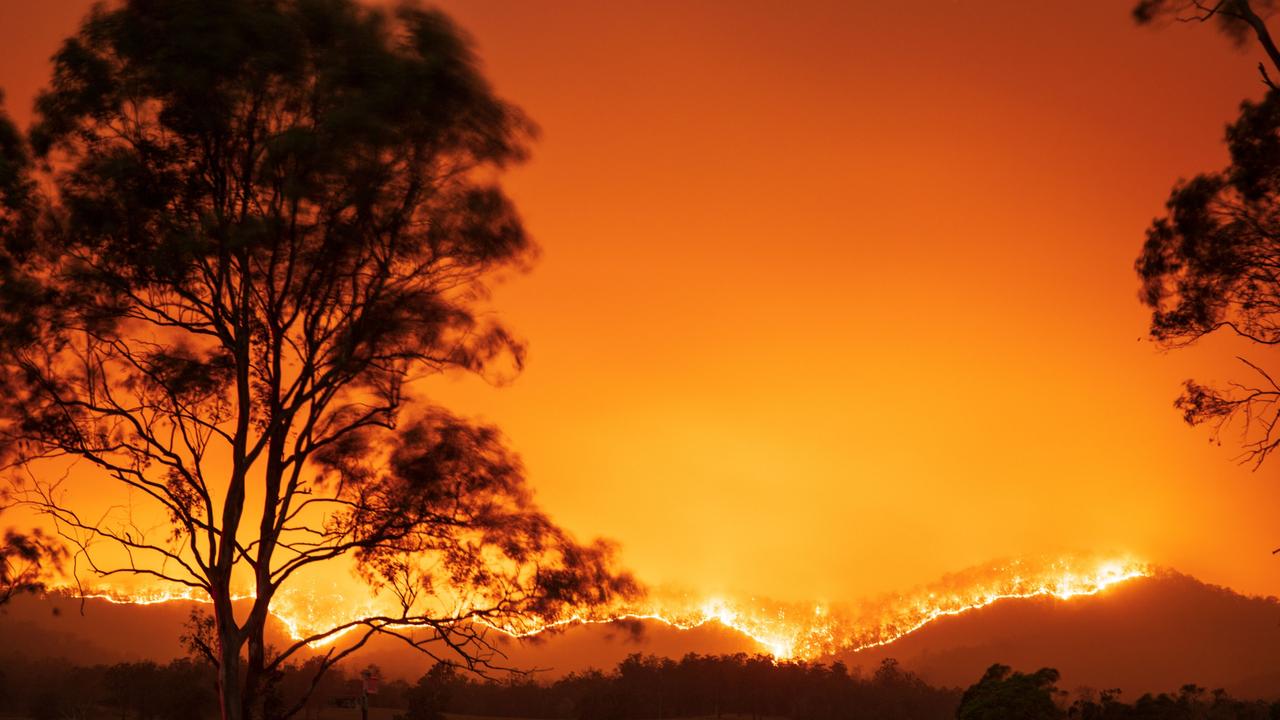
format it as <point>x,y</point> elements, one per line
<point>784,631</point>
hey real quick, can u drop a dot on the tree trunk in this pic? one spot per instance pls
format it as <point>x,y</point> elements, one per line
<point>230,696</point>
<point>255,678</point>
<point>230,683</point>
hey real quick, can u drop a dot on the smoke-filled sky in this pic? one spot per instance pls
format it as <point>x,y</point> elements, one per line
<point>836,297</point>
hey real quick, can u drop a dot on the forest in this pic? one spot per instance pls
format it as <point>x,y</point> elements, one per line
<point>640,687</point>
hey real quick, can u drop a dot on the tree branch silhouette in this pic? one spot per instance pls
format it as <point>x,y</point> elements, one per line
<point>1236,18</point>
<point>1212,263</point>
<point>231,242</point>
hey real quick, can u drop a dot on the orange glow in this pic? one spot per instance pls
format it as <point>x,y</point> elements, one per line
<point>800,633</point>
<point>834,298</point>
<point>783,631</point>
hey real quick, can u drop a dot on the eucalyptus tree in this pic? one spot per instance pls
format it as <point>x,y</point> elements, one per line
<point>1211,263</point>
<point>246,229</point>
<point>27,559</point>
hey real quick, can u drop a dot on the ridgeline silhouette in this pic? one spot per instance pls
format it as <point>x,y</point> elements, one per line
<point>1148,635</point>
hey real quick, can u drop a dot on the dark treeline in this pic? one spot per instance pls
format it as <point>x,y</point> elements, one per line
<point>641,687</point>
<point>695,686</point>
<point>51,689</point>
<point>56,689</point>
<point>1191,702</point>
<point>1002,694</point>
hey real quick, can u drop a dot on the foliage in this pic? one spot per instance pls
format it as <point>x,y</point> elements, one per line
<point>1210,263</point>
<point>695,686</point>
<point>639,687</point>
<point>1190,701</point>
<point>234,238</point>
<point>183,689</point>
<point>430,697</point>
<point>704,686</point>
<point>26,558</point>
<point>1003,693</point>
<point>1237,19</point>
<point>26,562</point>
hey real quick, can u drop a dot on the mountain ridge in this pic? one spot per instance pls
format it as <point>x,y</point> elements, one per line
<point>1145,635</point>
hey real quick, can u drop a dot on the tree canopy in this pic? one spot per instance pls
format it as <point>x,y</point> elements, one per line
<point>236,236</point>
<point>1005,693</point>
<point>1212,262</point>
<point>27,559</point>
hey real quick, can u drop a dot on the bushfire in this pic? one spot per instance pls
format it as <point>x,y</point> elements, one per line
<point>784,631</point>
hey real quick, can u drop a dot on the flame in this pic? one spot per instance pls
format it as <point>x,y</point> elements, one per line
<point>784,631</point>
<point>793,632</point>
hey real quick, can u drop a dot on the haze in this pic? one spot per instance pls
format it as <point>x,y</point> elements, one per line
<point>837,299</point>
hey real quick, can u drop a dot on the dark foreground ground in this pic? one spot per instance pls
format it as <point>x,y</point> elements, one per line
<point>639,688</point>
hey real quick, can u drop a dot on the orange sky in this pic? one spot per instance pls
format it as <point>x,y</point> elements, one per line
<point>835,300</point>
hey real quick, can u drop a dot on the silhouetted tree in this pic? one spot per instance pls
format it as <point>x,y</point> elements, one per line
<point>26,559</point>
<point>182,690</point>
<point>265,218</point>
<point>1211,263</point>
<point>1002,693</point>
<point>1237,19</point>
<point>429,698</point>
<point>737,685</point>
<point>1190,702</point>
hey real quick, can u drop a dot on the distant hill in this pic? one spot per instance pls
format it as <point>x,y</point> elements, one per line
<point>1151,634</point>
<point>91,631</point>
<point>97,631</point>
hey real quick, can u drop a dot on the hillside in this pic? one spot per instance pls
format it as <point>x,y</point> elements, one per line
<point>1150,634</point>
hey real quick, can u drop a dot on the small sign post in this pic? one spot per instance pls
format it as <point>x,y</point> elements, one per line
<point>368,686</point>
